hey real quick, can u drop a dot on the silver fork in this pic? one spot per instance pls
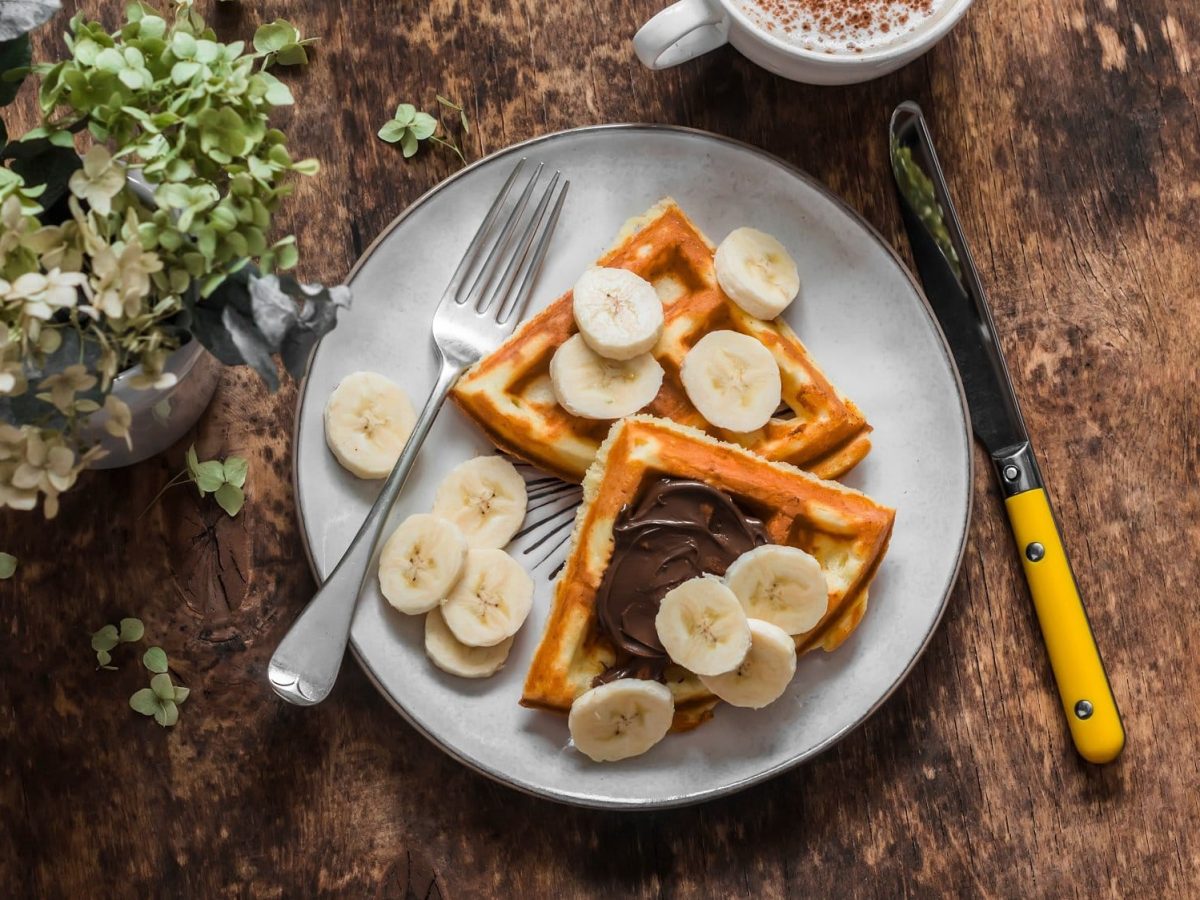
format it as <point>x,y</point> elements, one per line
<point>481,306</point>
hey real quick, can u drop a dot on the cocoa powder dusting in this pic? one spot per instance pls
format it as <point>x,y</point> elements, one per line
<point>838,22</point>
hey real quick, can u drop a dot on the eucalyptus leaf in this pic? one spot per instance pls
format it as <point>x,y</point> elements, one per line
<point>106,638</point>
<point>181,694</point>
<point>162,687</point>
<point>131,630</point>
<point>235,470</point>
<point>230,499</point>
<point>167,713</point>
<point>193,461</point>
<point>209,476</point>
<point>274,36</point>
<point>8,565</point>
<point>103,657</point>
<point>155,659</point>
<point>144,701</point>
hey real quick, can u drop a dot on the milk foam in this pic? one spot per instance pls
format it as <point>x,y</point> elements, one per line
<point>842,27</point>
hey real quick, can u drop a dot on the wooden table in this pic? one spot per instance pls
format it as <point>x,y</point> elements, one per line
<point>1069,130</point>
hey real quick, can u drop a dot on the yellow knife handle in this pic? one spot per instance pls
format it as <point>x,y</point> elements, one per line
<point>1083,686</point>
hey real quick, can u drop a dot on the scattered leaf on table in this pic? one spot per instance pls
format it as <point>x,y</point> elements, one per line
<point>8,565</point>
<point>131,630</point>
<point>155,659</point>
<point>144,701</point>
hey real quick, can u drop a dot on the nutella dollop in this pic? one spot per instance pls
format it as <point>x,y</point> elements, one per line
<point>677,529</point>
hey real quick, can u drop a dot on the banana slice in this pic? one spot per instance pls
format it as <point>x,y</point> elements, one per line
<point>618,313</point>
<point>732,379</point>
<point>756,272</point>
<point>490,600</point>
<point>621,719</point>
<point>368,419</point>
<point>592,387</point>
<point>764,674</point>
<point>451,655</point>
<point>781,585</point>
<point>420,562</point>
<point>485,497</point>
<point>703,627</point>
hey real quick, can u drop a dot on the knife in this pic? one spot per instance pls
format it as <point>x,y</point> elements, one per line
<point>954,292</point>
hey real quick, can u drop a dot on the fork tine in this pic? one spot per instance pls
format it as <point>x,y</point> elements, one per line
<point>533,262</point>
<point>477,293</point>
<point>480,238</point>
<point>504,286</point>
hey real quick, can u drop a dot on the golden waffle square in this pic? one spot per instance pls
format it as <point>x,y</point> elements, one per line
<point>508,393</point>
<point>844,529</point>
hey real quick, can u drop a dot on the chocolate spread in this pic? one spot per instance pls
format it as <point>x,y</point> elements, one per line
<point>677,529</point>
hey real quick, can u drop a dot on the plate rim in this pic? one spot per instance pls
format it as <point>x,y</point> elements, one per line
<point>632,805</point>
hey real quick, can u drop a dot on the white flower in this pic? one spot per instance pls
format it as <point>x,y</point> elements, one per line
<point>64,385</point>
<point>100,179</point>
<point>121,280</point>
<point>119,418</point>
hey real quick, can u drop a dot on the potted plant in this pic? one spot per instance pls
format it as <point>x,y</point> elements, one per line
<point>134,248</point>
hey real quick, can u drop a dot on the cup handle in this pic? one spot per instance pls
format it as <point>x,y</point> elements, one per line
<point>682,31</point>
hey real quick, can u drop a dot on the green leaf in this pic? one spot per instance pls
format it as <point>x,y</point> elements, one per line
<point>155,659</point>
<point>274,36</point>
<point>230,499</point>
<point>405,113</point>
<point>162,687</point>
<point>167,713</point>
<point>193,461</point>
<point>278,93</point>
<point>8,565</point>
<point>144,701</point>
<point>183,45</point>
<point>408,144</point>
<point>292,55</point>
<point>235,470</point>
<point>209,476</point>
<point>392,131</point>
<point>106,638</point>
<point>423,125</point>
<point>103,657</point>
<point>183,71</point>
<point>181,694</point>
<point>131,630</point>
<point>306,166</point>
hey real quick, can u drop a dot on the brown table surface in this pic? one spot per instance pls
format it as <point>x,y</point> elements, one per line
<point>1069,131</point>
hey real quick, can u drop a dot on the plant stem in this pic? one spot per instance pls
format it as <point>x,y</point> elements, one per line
<point>170,484</point>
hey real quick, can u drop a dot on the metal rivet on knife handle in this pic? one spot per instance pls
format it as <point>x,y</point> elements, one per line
<point>1083,709</point>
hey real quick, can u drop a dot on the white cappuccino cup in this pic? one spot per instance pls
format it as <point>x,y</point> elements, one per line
<point>689,28</point>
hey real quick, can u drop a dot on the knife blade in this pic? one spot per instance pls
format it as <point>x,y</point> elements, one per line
<point>956,295</point>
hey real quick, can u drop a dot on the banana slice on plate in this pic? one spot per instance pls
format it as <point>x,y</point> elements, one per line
<point>618,313</point>
<point>420,562</point>
<point>733,380</point>
<point>763,675</point>
<point>592,387</point>
<point>781,585</point>
<point>368,419</point>
<point>485,498</point>
<point>491,599</point>
<point>451,655</point>
<point>703,627</point>
<point>756,272</point>
<point>621,719</point>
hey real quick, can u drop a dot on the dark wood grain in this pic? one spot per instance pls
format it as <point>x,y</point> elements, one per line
<point>1069,130</point>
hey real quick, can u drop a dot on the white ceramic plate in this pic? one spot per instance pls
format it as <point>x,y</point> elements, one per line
<point>865,323</point>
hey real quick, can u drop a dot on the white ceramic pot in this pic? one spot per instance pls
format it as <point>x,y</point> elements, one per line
<point>161,416</point>
<point>688,28</point>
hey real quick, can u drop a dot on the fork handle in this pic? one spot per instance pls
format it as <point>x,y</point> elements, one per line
<point>306,662</point>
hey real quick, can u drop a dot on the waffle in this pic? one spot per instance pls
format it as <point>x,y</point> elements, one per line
<point>845,530</point>
<point>508,394</point>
